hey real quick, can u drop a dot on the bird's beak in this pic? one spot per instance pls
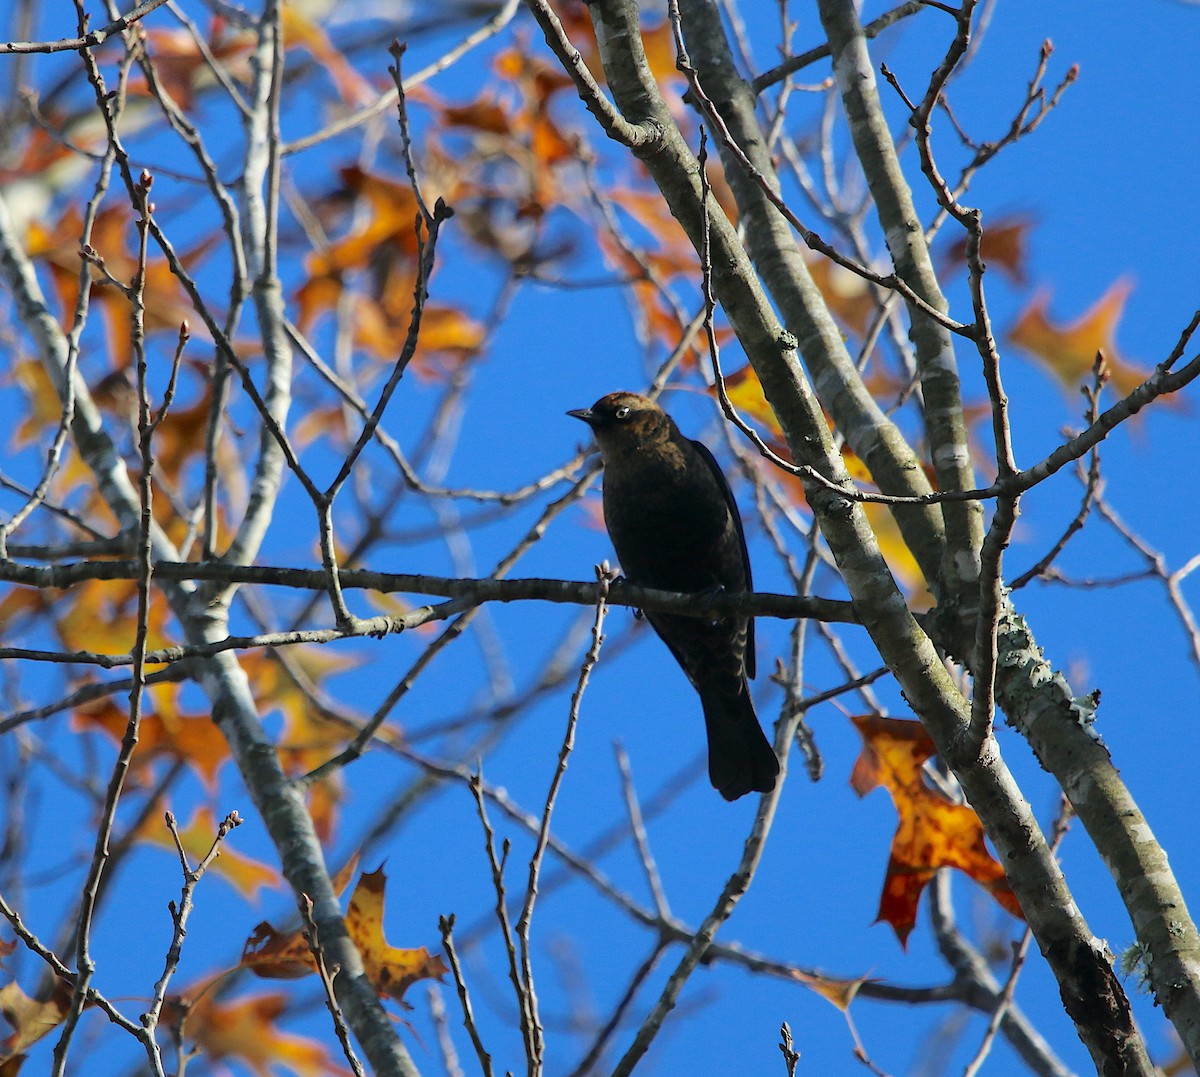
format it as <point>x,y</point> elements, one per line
<point>586,414</point>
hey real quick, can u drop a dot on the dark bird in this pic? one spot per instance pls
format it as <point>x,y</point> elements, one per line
<point>675,527</point>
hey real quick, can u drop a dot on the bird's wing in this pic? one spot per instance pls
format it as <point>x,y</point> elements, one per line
<point>707,456</point>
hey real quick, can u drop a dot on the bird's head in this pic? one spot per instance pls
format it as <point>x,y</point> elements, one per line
<point>622,421</point>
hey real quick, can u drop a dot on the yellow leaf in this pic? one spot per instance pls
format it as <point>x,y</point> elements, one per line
<point>245,875</point>
<point>391,970</point>
<point>840,992</point>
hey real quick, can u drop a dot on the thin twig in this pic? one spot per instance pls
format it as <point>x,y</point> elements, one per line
<point>326,974</point>
<point>446,926</point>
<point>86,40</point>
<point>535,1040</point>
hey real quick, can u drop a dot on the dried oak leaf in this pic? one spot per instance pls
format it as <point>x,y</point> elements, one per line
<point>934,832</point>
<point>1069,352</point>
<point>274,954</point>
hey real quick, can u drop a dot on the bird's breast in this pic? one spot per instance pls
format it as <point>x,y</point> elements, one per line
<point>671,527</point>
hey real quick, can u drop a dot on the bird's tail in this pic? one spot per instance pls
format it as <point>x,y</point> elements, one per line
<point>740,758</point>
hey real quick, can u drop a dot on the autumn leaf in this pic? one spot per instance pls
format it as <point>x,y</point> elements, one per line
<point>1069,351</point>
<point>658,43</point>
<point>113,238</point>
<point>523,65</point>
<point>277,955</point>
<point>746,395</point>
<point>300,30</point>
<point>846,294</point>
<point>1004,247</point>
<point>385,230</point>
<point>43,406</point>
<point>380,247</point>
<point>840,992</point>
<point>285,955</point>
<point>389,969</point>
<point>248,1031</point>
<point>182,70</point>
<point>30,1019</point>
<point>934,832</point>
<point>101,616</point>
<point>896,553</point>
<point>164,730</point>
<point>310,735</point>
<point>246,875</point>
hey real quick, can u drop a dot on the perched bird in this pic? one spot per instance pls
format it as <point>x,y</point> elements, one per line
<point>675,527</point>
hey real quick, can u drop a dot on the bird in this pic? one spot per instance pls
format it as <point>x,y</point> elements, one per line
<point>675,526</point>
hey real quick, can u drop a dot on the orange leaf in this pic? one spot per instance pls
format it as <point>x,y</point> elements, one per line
<point>191,738</point>
<point>43,408</point>
<point>523,65</point>
<point>386,231</point>
<point>895,550</point>
<point>102,617</point>
<point>182,70</point>
<point>113,237</point>
<point>299,29</point>
<point>448,330</point>
<point>657,40</point>
<point>933,833</point>
<point>181,436</point>
<point>746,395</point>
<point>1069,352</point>
<point>277,956</point>
<point>247,1030</point>
<point>310,734</point>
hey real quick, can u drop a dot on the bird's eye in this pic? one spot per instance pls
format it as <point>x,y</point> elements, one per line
<point>622,412</point>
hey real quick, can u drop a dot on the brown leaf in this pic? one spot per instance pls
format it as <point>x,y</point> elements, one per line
<point>30,1019</point>
<point>1004,247</point>
<point>482,114</point>
<point>840,992</point>
<point>181,68</point>
<point>277,955</point>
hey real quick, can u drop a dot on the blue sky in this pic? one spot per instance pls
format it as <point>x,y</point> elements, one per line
<point>1109,180</point>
